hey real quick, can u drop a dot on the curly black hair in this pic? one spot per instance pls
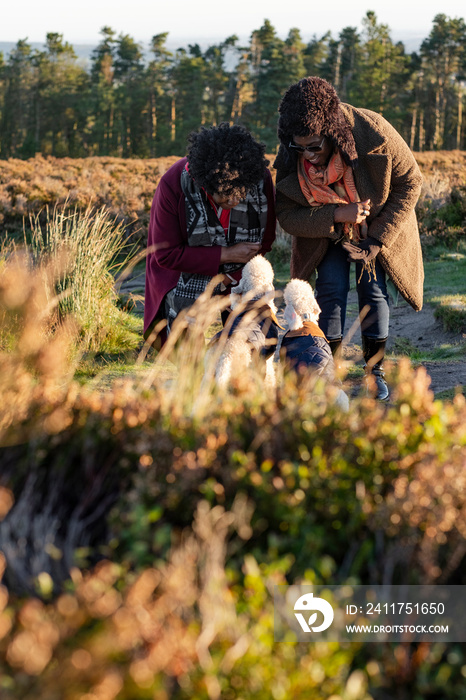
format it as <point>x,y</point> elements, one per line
<point>312,106</point>
<point>226,160</point>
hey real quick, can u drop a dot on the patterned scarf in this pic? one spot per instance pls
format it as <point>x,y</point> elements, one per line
<point>247,224</point>
<point>334,185</point>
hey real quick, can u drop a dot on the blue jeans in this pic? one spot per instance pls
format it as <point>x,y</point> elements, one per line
<point>332,287</point>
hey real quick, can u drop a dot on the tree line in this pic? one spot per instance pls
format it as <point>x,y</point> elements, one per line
<point>124,105</point>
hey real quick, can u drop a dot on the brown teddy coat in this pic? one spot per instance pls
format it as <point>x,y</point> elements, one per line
<point>388,175</point>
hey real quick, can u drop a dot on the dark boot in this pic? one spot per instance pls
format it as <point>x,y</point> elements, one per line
<point>335,347</point>
<point>374,352</point>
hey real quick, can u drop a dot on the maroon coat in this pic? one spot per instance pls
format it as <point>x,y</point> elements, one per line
<point>168,251</point>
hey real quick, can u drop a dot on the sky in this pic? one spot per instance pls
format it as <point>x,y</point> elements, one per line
<point>191,21</point>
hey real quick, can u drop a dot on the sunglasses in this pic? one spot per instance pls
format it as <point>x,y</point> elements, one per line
<point>309,149</point>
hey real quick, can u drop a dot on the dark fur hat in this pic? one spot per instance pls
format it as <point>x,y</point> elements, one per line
<point>312,106</point>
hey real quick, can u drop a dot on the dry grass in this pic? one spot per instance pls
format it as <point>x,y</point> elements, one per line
<point>84,251</point>
<point>36,352</point>
<point>449,164</point>
<point>124,187</point>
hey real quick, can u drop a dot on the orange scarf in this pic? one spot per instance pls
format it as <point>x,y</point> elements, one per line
<point>308,328</point>
<point>316,187</point>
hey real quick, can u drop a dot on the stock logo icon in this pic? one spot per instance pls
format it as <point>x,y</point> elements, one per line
<point>307,603</point>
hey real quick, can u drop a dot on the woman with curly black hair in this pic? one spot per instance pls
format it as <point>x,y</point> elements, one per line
<point>212,212</point>
<point>347,185</point>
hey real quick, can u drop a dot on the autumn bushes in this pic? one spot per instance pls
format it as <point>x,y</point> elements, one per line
<point>441,210</point>
<point>175,523</point>
<point>204,517</point>
<point>124,187</point>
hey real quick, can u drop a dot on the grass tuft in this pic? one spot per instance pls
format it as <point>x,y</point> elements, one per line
<point>82,252</point>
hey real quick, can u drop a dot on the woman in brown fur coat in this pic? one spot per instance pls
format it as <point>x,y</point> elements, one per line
<point>347,185</point>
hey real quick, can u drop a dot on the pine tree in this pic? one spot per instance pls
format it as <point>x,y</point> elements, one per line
<point>349,53</point>
<point>276,65</point>
<point>160,98</point>
<point>18,118</point>
<point>103,94</point>
<point>381,72</point>
<point>315,54</point>
<point>131,97</point>
<point>187,79</point>
<point>60,99</point>
<point>243,89</point>
<point>444,58</point>
<point>218,80</point>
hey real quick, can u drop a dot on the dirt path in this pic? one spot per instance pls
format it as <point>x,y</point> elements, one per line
<point>423,331</point>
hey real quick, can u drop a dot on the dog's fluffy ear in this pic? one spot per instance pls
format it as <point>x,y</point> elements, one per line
<point>299,295</point>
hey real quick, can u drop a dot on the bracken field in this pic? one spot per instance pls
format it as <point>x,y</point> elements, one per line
<point>125,187</point>
<point>145,521</point>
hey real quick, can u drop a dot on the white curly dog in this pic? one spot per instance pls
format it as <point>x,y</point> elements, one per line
<point>304,346</point>
<point>251,333</point>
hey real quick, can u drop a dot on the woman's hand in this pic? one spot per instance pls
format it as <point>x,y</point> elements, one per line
<point>239,253</point>
<point>354,213</point>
